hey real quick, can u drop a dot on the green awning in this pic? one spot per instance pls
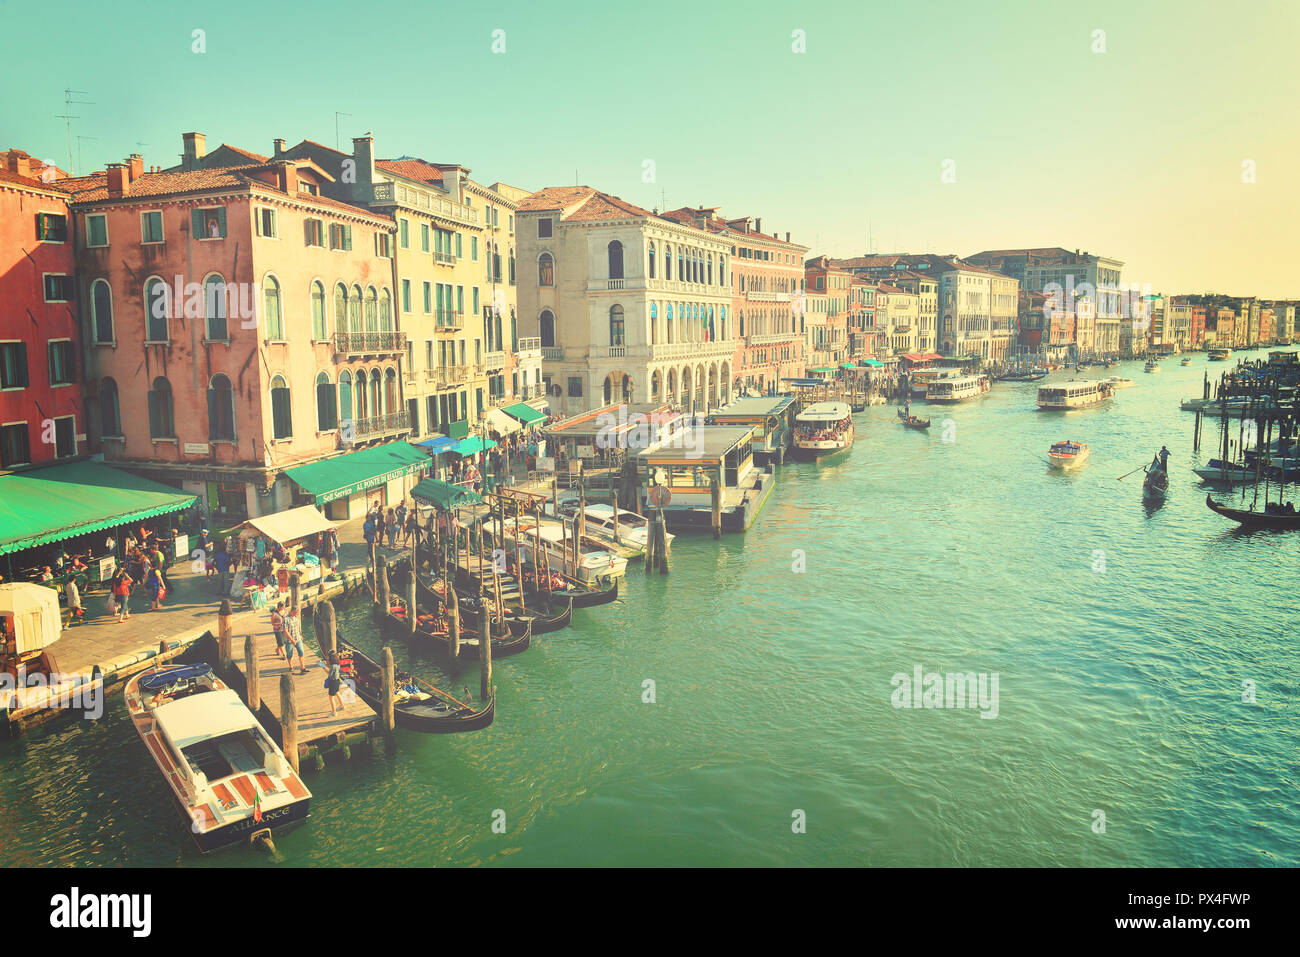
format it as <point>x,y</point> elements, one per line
<point>458,430</point>
<point>444,494</point>
<point>823,369</point>
<point>344,475</point>
<point>524,413</point>
<point>872,363</point>
<point>474,445</point>
<point>62,501</point>
<point>848,365</point>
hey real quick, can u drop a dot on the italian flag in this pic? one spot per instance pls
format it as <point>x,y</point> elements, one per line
<point>257,807</point>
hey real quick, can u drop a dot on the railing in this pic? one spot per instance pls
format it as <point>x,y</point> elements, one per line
<point>369,343</point>
<point>388,192</point>
<point>768,296</point>
<point>614,283</point>
<point>381,424</point>
<point>612,352</point>
<point>494,360</point>
<point>451,375</point>
<point>448,259</point>
<point>530,344</point>
<point>552,352</point>
<point>767,338</point>
<point>450,319</point>
<point>680,350</point>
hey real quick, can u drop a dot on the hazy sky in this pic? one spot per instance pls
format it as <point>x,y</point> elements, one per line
<point>1136,152</point>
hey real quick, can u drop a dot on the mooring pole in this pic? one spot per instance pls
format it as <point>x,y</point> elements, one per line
<point>223,635</point>
<point>251,696</point>
<point>386,701</point>
<point>288,720</point>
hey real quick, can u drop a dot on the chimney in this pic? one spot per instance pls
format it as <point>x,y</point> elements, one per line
<point>19,162</point>
<point>117,179</point>
<point>195,150</point>
<point>286,174</point>
<point>758,225</point>
<point>787,237</point>
<point>277,147</point>
<point>451,178</point>
<point>363,154</point>
<point>135,163</point>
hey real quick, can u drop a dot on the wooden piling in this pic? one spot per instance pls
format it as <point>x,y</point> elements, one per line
<point>295,591</point>
<point>288,720</point>
<point>386,719</point>
<point>614,500</point>
<point>252,694</point>
<point>484,651</point>
<point>661,542</point>
<point>223,634</point>
<point>382,593</point>
<point>453,616</point>
<point>411,608</point>
<point>715,495</point>
<point>328,624</point>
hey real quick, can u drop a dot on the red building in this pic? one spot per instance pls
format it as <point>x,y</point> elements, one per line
<point>41,413</point>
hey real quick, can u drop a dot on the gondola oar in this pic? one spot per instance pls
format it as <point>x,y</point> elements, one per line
<point>1127,474</point>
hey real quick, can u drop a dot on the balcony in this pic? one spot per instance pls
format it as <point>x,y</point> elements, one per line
<point>450,319</point>
<point>553,352</point>
<point>369,343</point>
<point>768,296</point>
<point>528,345</point>
<point>449,376</point>
<point>447,259</point>
<point>426,200</point>
<point>769,338</point>
<point>378,425</point>
<point>494,360</point>
<point>692,350</point>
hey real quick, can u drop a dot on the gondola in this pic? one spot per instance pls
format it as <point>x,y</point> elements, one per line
<point>417,705</point>
<point>393,624</point>
<point>1247,518</point>
<point>913,421</point>
<point>517,621</point>
<point>1156,484</point>
<point>582,595</point>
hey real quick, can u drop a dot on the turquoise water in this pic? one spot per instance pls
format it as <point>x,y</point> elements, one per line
<point>1120,690</point>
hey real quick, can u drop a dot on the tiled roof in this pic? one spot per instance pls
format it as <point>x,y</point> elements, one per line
<point>29,182</point>
<point>256,157</point>
<point>416,169</point>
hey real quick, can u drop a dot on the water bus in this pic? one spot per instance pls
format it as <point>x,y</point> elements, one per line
<point>823,428</point>
<point>957,388</point>
<point>1075,394</point>
<point>1218,355</point>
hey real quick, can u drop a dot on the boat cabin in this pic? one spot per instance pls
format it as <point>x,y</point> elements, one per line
<point>771,418</point>
<point>692,460</point>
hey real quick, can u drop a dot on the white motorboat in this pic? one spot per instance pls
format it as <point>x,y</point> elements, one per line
<point>1119,382</point>
<point>1151,366</point>
<point>229,779</point>
<point>1067,455</point>
<point>633,529</point>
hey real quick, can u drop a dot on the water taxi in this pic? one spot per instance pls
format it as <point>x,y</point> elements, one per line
<point>1067,455</point>
<point>228,777</point>
<point>1118,382</point>
<point>632,533</point>
<point>598,562</point>
<point>1185,361</point>
<point>919,379</point>
<point>1219,355</point>
<point>957,388</point>
<point>1075,394</point>
<point>1151,366</point>
<point>823,428</point>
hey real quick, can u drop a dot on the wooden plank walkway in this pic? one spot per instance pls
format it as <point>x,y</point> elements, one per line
<point>315,723</point>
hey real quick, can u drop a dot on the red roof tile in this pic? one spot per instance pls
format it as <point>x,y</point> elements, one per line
<point>29,182</point>
<point>416,169</point>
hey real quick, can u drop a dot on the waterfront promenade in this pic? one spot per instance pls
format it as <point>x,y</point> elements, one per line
<point>188,612</point>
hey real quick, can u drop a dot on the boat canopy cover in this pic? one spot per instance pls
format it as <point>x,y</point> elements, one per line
<point>202,717</point>
<point>444,494</point>
<point>291,525</point>
<point>804,383</point>
<point>35,613</point>
<point>55,503</point>
<point>525,413</point>
<point>824,412</point>
<point>344,475</point>
<point>158,680</point>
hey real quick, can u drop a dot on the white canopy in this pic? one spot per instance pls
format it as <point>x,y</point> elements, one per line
<point>291,525</point>
<point>35,613</point>
<point>502,423</point>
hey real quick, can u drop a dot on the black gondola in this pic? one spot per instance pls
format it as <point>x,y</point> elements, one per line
<point>516,621</point>
<point>1156,484</point>
<point>417,705</point>
<point>1250,519</point>
<point>394,624</point>
<point>582,596</point>
<point>913,421</point>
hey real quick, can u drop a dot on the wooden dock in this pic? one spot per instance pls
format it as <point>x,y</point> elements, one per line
<point>318,732</point>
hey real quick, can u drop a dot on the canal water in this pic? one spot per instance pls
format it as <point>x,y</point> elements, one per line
<point>1124,639</point>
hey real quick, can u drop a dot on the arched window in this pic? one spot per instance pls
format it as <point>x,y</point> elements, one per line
<point>317,311</point>
<point>162,425</point>
<point>157,305</point>
<point>615,251</point>
<point>327,415</point>
<point>355,322</point>
<point>341,308</point>
<point>281,417</point>
<point>345,396</point>
<point>376,406</point>
<point>668,261</point>
<point>101,304</point>
<point>654,324</point>
<point>512,267</point>
<point>681,265</point>
<point>722,329</point>
<point>652,261</point>
<point>545,270</point>
<point>215,308</point>
<point>372,310</point>
<point>362,403</point>
<point>385,311</point>
<point>668,319</point>
<point>110,411</point>
<point>722,270</point>
<point>616,325</point>
<point>221,410</point>
<point>709,275</point>
<point>547,321</point>
<point>271,314</point>
<point>708,335</point>
<point>391,399</point>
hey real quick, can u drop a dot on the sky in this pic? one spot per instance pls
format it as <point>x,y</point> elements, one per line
<point>1170,140</point>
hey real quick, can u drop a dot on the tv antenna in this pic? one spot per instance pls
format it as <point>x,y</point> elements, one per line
<point>337,114</point>
<point>67,115</point>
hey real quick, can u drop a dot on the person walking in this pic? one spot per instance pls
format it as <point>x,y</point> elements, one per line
<point>74,602</point>
<point>154,586</point>
<point>293,631</point>
<point>368,532</point>
<point>400,512</point>
<point>122,583</point>
<point>277,629</point>
<point>159,562</point>
<point>412,530</point>
<point>333,683</point>
<point>390,525</point>
<point>222,562</point>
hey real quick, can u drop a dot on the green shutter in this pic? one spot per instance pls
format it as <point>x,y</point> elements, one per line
<point>196,224</point>
<point>347,237</point>
<point>458,245</point>
<point>221,220</point>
